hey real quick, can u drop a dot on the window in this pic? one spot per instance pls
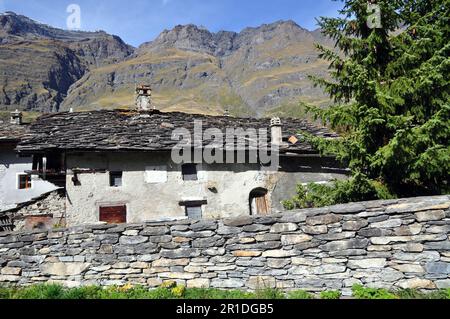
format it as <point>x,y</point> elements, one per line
<point>115,179</point>
<point>24,181</point>
<point>189,172</point>
<point>193,209</point>
<point>113,214</point>
<point>194,212</point>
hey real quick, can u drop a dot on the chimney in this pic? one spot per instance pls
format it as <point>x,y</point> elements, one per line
<point>276,133</point>
<point>144,98</point>
<point>16,117</point>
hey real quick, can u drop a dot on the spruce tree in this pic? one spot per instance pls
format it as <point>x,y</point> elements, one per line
<point>390,86</point>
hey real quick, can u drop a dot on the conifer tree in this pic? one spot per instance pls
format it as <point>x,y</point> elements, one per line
<point>391,90</point>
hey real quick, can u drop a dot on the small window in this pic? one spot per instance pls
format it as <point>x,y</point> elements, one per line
<point>194,212</point>
<point>115,179</point>
<point>24,181</point>
<point>193,209</point>
<point>189,172</point>
<point>113,214</point>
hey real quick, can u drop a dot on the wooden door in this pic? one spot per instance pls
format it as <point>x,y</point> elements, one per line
<point>262,206</point>
<point>113,214</point>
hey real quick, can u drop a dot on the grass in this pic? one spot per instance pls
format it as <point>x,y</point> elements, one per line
<point>172,291</point>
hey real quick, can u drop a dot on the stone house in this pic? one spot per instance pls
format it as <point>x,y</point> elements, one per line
<point>118,165</point>
<point>16,185</point>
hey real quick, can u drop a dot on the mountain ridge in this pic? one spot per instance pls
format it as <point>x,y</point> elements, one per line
<point>251,72</point>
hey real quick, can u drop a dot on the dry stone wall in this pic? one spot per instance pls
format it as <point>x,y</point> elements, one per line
<point>390,244</point>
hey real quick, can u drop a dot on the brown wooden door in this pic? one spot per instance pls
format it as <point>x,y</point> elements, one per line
<point>113,214</point>
<point>262,207</point>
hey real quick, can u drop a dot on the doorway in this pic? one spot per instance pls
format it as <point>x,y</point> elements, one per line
<point>259,202</point>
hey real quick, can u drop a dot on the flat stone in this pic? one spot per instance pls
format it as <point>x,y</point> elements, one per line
<point>440,246</point>
<point>323,219</point>
<point>214,251</point>
<point>389,239</point>
<point>305,261</point>
<point>416,283</point>
<point>64,269</point>
<point>296,218</point>
<point>354,225</point>
<point>247,240</point>
<point>409,268</point>
<point>430,215</point>
<point>204,225</point>
<point>443,284</point>
<point>9,278</point>
<point>426,256</point>
<point>347,208</point>
<point>237,222</point>
<point>294,239</point>
<point>391,275</point>
<point>243,253</point>
<point>133,240</point>
<point>261,282</point>
<point>277,263</point>
<point>170,262</point>
<point>390,223</point>
<point>279,253</point>
<point>329,269</point>
<point>226,230</point>
<point>379,248</point>
<point>315,230</point>
<point>438,268</point>
<point>11,271</point>
<point>367,263</point>
<point>131,232</point>
<point>336,236</point>
<point>180,253</point>
<point>409,230</point>
<point>177,275</point>
<point>346,244</point>
<point>255,228</point>
<point>198,283</point>
<point>268,237</point>
<point>283,228</point>
<point>227,283</point>
<point>439,229</point>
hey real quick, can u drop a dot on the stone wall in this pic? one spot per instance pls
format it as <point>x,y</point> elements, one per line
<point>43,212</point>
<point>391,244</point>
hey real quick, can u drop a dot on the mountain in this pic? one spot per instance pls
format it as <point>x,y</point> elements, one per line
<point>39,63</point>
<point>258,71</point>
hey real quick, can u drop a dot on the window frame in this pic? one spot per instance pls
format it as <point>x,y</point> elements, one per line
<point>28,182</point>
<point>112,178</point>
<point>189,167</point>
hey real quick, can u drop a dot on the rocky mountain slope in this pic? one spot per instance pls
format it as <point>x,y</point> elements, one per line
<point>255,72</point>
<point>38,63</point>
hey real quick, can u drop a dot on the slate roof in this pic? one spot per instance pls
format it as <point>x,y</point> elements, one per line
<point>10,133</point>
<point>129,130</point>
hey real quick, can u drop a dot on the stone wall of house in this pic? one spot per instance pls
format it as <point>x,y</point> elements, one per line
<point>396,243</point>
<point>43,212</point>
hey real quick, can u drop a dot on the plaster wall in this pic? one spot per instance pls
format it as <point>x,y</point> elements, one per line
<point>225,187</point>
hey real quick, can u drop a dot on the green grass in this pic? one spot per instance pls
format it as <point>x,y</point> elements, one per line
<point>55,292</point>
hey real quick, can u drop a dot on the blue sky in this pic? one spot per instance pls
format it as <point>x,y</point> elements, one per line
<point>138,21</point>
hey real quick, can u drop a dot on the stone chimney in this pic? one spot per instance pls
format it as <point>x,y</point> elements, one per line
<point>276,132</point>
<point>144,98</point>
<point>16,117</point>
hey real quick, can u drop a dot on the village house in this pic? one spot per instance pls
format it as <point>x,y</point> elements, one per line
<point>16,185</point>
<point>118,165</point>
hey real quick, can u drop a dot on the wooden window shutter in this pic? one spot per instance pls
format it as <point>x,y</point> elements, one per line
<point>113,214</point>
